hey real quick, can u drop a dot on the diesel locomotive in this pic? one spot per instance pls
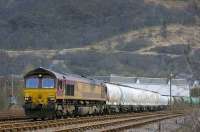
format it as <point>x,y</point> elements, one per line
<point>48,94</point>
<point>51,94</point>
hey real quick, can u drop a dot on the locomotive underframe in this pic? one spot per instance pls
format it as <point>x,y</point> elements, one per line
<point>62,108</point>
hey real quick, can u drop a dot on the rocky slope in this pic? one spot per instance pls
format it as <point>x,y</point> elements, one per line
<point>144,38</point>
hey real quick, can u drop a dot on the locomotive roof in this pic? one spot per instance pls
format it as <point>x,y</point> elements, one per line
<point>61,76</point>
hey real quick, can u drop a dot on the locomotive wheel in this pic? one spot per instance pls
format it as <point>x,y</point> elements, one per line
<point>59,114</point>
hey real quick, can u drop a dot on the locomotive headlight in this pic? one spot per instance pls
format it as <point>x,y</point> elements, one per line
<point>40,75</point>
<point>27,98</point>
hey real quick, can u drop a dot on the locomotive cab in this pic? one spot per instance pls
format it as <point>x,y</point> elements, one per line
<point>39,89</point>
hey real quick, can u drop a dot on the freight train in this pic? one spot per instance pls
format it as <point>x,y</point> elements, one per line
<point>48,94</point>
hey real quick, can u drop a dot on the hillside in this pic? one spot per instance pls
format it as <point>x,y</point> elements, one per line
<point>93,37</point>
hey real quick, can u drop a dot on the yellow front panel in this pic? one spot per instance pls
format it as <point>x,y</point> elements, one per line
<point>40,95</point>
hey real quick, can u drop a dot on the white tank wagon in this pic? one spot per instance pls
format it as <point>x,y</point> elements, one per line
<point>164,100</point>
<point>121,97</point>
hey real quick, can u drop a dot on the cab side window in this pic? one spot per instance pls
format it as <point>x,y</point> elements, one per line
<point>69,89</point>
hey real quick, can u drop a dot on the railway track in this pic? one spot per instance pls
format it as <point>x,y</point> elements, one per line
<point>85,123</point>
<point>13,115</point>
<point>12,118</point>
<point>118,124</point>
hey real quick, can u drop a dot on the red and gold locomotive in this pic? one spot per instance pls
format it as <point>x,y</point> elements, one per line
<point>49,94</point>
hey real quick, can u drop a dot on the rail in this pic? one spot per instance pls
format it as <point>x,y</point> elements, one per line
<point>86,123</point>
